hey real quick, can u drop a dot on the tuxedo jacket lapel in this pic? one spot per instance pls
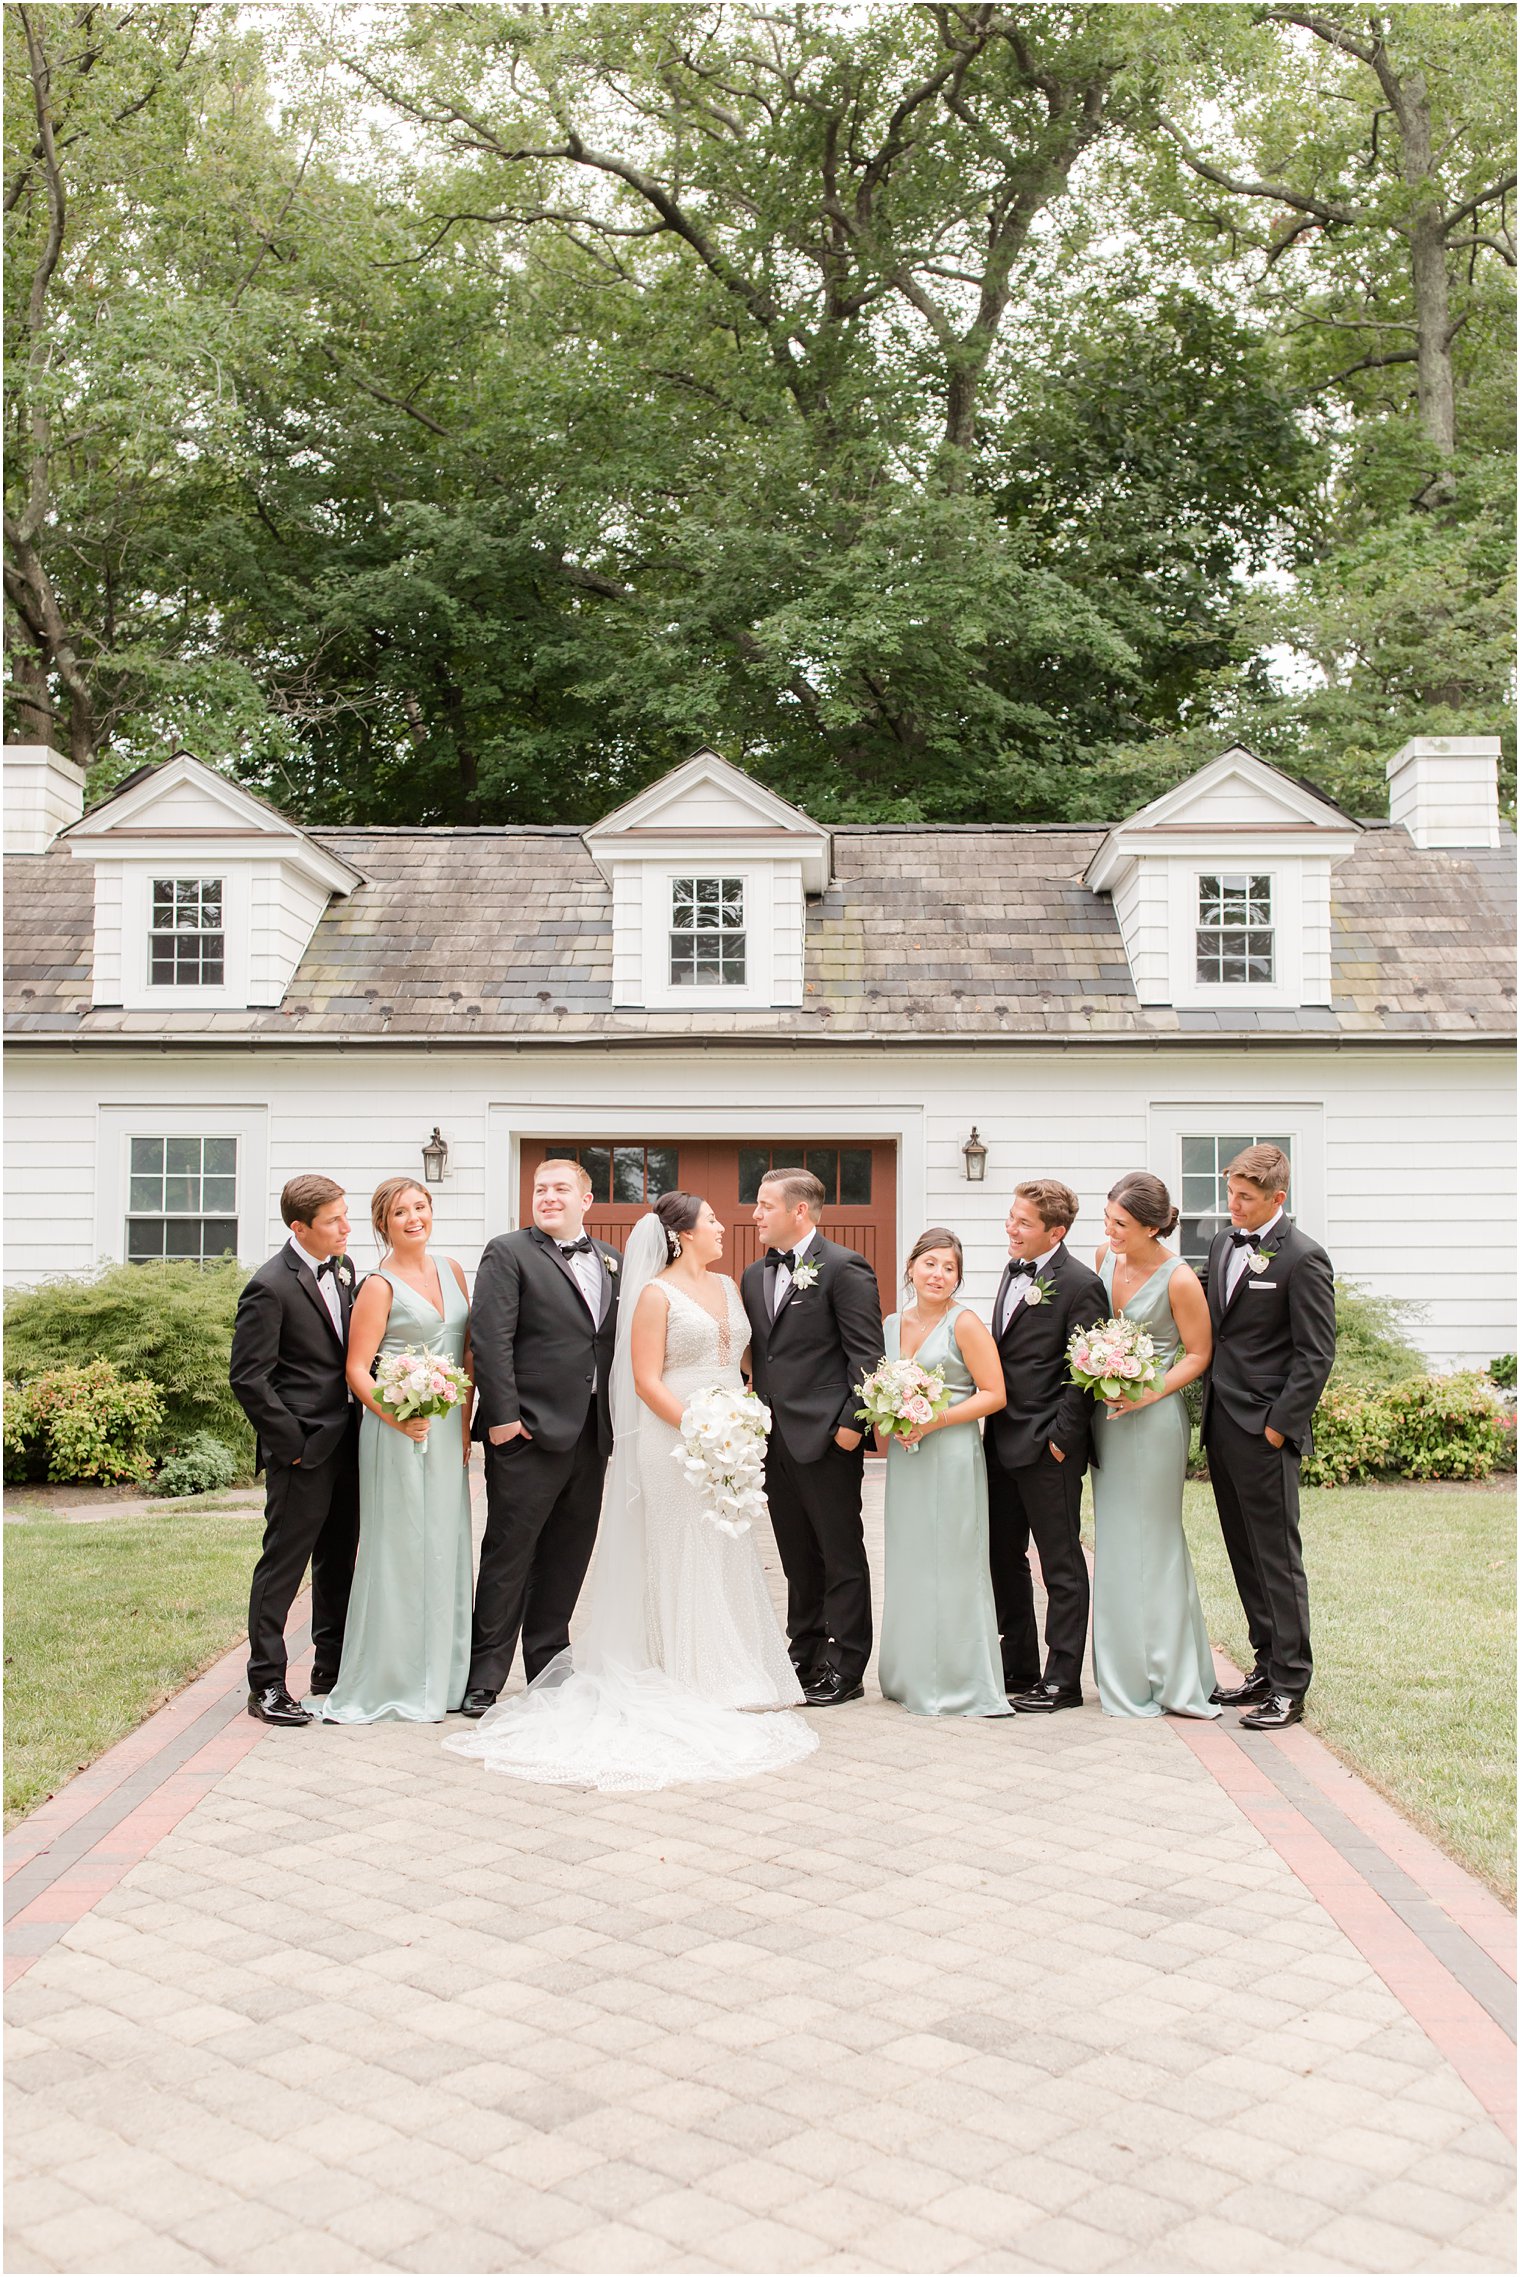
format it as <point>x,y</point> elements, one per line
<point>556,1255</point>
<point>812,1255</point>
<point>1274,1241</point>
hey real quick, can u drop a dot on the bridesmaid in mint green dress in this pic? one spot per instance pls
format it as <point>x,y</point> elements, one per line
<point>406,1645</point>
<point>1150,1643</point>
<point>940,1654</point>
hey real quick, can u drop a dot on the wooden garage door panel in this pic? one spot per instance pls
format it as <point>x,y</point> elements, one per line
<point>724,1172</point>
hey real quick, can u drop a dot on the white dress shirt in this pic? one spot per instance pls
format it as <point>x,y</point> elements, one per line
<point>784,1272</point>
<point>327,1284</point>
<point>586,1267</point>
<point>1019,1288</point>
<point>1240,1251</point>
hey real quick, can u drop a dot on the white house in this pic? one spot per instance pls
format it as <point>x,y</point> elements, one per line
<point>203,998</point>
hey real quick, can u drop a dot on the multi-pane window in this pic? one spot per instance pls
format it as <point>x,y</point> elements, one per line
<point>707,932</point>
<point>186,945</point>
<point>619,1173</point>
<point>1205,1207</point>
<point>1235,929</point>
<point>182,1198</point>
<point>844,1171</point>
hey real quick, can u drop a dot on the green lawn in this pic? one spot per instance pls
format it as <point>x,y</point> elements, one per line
<point>106,1621</point>
<point>1412,1602</point>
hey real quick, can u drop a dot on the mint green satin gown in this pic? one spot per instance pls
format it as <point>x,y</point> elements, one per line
<point>940,1654</point>
<point>1150,1643</point>
<point>406,1644</point>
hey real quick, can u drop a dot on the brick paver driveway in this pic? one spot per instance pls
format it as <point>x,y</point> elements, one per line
<point>1058,1995</point>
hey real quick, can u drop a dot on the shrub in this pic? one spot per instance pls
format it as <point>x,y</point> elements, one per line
<point>1373,1345</point>
<point>1501,1371</point>
<point>1430,1427</point>
<point>171,1323</point>
<point>83,1423</point>
<point>1446,1427</point>
<point>199,1467</point>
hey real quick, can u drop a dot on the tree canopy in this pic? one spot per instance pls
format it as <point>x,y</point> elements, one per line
<point>964,412</point>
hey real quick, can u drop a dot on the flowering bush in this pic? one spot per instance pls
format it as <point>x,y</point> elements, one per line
<point>900,1396</point>
<point>1432,1427</point>
<point>82,1423</point>
<point>722,1452</point>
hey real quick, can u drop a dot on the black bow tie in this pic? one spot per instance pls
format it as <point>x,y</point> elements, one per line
<point>1241,1240</point>
<point>328,1265</point>
<point>786,1257</point>
<point>582,1248</point>
<point>1018,1265</point>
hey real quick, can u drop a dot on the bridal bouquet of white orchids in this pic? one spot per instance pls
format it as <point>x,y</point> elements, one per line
<point>900,1397</point>
<point>419,1383</point>
<point>1115,1361</point>
<point>722,1452</point>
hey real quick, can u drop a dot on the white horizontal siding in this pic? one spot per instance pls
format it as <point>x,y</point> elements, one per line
<point>1416,1184</point>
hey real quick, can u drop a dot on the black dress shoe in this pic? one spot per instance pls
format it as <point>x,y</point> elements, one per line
<point>1044,1699</point>
<point>1276,1712</point>
<point>1257,1686</point>
<point>322,1684</point>
<point>275,1706</point>
<point>476,1703</point>
<point>830,1689</point>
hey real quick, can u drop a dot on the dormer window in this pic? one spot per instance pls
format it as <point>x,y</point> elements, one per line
<point>707,944</point>
<point>1235,943</point>
<point>187,943</point>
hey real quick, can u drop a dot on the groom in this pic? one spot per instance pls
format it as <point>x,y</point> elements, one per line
<point>815,1331</point>
<point>541,1330</point>
<point>1038,1447</point>
<point>1272,1305</point>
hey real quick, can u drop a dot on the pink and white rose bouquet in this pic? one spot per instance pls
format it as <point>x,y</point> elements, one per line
<point>1114,1361</point>
<point>419,1383</point>
<point>900,1397</point>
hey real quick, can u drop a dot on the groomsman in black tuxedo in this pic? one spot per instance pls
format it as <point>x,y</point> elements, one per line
<point>1272,1304</point>
<point>289,1353</point>
<point>542,1323</point>
<point>1038,1448</point>
<point>815,1332</point>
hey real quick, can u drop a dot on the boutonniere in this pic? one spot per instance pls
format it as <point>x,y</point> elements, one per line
<point>1039,1292</point>
<point>1257,1260</point>
<point>611,1263</point>
<point>345,1276</point>
<point>805,1275</point>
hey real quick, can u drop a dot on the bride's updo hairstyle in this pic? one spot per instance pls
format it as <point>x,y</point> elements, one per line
<point>677,1213</point>
<point>1147,1201</point>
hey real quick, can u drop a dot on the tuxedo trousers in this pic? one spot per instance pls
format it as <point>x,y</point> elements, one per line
<point>815,1516</point>
<point>1256,1494</point>
<point>542,1510</point>
<point>1041,1500</point>
<point>311,1515</point>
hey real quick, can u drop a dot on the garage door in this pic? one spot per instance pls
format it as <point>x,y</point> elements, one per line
<point>859,1180</point>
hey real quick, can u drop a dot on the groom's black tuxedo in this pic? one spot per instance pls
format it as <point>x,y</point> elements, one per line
<point>1274,1347</point>
<point>287,1373</point>
<point>1028,1491</point>
<point>542,1359</point>
<point>806,1363</point>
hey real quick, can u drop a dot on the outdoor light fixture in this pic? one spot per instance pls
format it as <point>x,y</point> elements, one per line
<point>435,1157</point>
<point>973,1150</point>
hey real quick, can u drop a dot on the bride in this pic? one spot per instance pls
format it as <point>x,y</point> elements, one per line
<point>675,1634</point>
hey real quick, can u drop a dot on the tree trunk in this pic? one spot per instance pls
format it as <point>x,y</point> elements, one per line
<point>1432,316</point>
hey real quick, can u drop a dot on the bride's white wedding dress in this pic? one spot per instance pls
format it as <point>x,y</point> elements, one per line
<point>676,1643</point>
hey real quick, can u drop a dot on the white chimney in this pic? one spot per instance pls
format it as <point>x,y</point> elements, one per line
<point>1445,789</point>
<point>44,793</point>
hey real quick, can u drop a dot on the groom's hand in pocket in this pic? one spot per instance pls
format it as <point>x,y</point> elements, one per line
<point>1058,1452</point>
<point>502,1434</point>
<point>848,1440</point>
